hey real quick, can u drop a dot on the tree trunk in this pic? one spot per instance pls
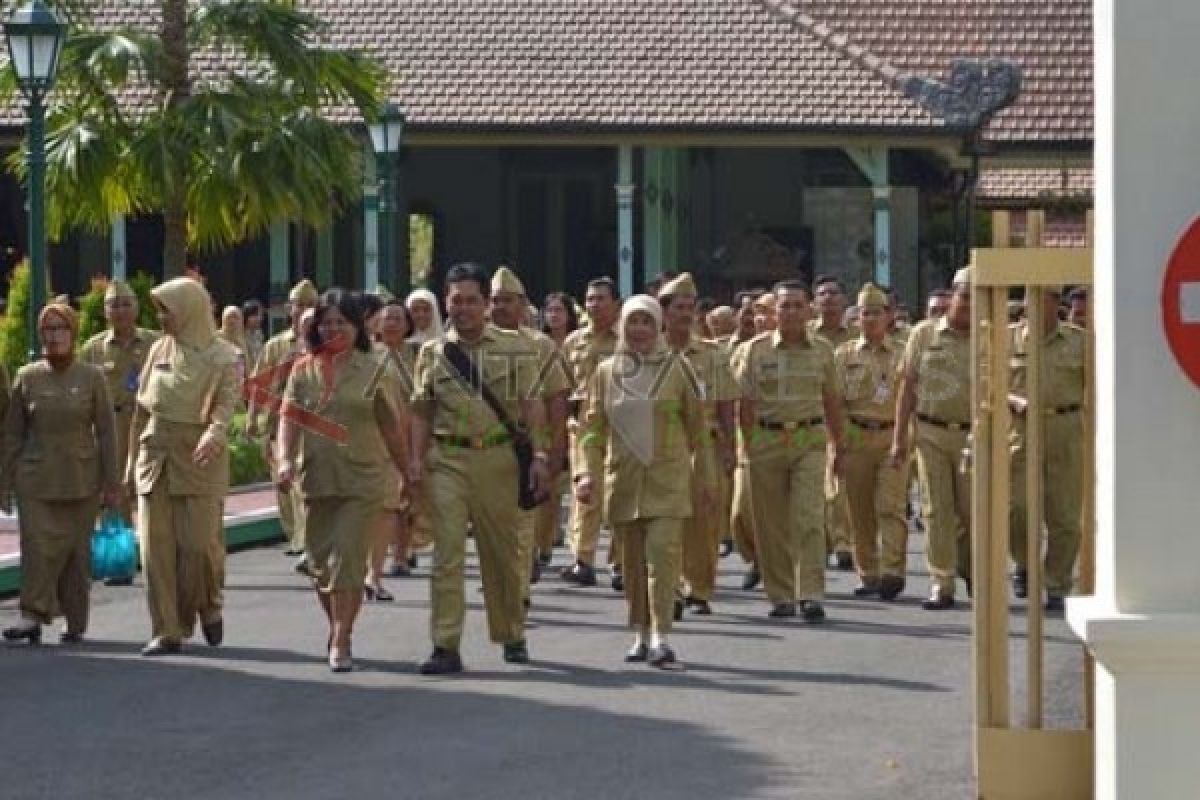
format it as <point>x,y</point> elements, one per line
<point>176,88</point>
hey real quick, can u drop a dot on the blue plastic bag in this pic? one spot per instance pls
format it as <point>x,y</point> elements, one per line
<point>114,549</point>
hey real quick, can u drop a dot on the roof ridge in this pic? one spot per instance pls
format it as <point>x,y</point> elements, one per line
<point>972,93</point>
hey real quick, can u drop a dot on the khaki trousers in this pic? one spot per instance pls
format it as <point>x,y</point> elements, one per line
<point>945,504</point>
<point>477,486</point>
<point>584,530</point>
<point>56,558</point>
<point>1062,486</point>
<point>291,511</point>
<point>546,518</point>
<point>786,492</point>
<point>741,516</point>
<point>526,525</point>
<point>875,494</point>
<point>653,552</point>
<point>838,536</point>
<point>183,556</point>
<point>701,541</point>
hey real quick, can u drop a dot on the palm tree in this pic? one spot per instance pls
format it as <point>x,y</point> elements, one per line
<point>220,120</point>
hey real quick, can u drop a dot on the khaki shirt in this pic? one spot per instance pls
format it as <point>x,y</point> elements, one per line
<point>122,368</point>
<point>633,490</point>
<point>1064,353</point>
<point>183,394</point>
<point>716,382</point>
<point>834,337</point>
<point>938,360</point>
<point>508,363</point>
<point>273,367</point>
<point>786,382</point>
<point>900,334</point>
<point>59,434</point>
<point>584,349</point>
<point>342,451</point>
<point>552,372</point>
<point>868,376</point>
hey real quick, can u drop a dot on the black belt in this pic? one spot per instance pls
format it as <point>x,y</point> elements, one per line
<point>1071,409</point>
<point>474,442</point>
<point>941,423</point>
<point>872,424</point>
<point>791,427</point>
<point>118,408</point>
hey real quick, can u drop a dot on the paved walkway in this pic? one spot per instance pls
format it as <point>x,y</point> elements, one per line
<point>875,704</point>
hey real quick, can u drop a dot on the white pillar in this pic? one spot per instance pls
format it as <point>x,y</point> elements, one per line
<point>882,197</point>
<point>625,189</point>
<point>1143,623</point>
<point>370,220</point>
<point>119,249</point>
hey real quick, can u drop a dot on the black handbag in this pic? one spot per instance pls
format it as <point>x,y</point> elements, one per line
<point>521,442</point>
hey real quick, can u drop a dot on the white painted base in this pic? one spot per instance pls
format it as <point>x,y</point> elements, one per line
<point>1147,699</point>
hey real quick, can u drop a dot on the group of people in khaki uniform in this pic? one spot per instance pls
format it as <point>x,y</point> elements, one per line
<point>787,435</point>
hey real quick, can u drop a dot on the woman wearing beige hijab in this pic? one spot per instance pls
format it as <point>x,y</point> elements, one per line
<point>644,418</point>
<point>60,455</point>
<point>179,466</point>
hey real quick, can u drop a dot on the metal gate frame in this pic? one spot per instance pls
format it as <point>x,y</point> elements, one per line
<point>1020,762</point>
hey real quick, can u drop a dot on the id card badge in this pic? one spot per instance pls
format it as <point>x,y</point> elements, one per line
<point>882,391</point>
<point>131,381</point>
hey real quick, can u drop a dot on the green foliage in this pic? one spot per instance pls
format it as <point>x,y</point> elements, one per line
<point>247,463</point>
<point>141,283</point>
<point>250,145</point>
<point>91,307</point>
<point>14,343</point>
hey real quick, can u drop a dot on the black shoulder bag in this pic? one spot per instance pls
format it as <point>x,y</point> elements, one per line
<point>521,442</point>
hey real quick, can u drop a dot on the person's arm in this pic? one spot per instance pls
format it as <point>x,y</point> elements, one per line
<point>906,404</point>
<point>13,440</point>
<point>593,440</point>
<point>288,433</point>
<point>420,420</point>
<point>533,411</point>
<point>391,414</point>
<point>221,407</point>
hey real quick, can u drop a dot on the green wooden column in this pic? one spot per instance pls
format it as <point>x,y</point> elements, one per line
<point>873,162</point>
<point>370,270</point>
<point>280,234</point>
<point>325,256</point>
<point>664,206</point>
<point>625,190</point>
<point>652,222</point>
<point>119,249</point>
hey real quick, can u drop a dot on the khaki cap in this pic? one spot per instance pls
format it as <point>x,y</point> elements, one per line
<point>871,296</point>
<point>119,288</point>
<point>303,292</point>
<point>680,286</point>
<point>964,275</point>
<point>505,280</point>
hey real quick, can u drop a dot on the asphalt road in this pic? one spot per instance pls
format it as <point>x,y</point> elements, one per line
<point>874,704</point>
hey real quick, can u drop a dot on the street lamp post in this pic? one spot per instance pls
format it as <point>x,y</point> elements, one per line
<point>35,37</point>
<point>386,136</point>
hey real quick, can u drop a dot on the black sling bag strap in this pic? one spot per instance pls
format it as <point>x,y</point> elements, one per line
<point>521,443</point>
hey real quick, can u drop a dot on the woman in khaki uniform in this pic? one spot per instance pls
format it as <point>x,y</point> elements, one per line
<point>179,467</point>
<point>351,425</point>
<point>641,396</point>
<point>59,407</point>
<point>560,320</point>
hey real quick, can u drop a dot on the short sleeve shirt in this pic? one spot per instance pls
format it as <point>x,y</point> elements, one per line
<point>787,381</point>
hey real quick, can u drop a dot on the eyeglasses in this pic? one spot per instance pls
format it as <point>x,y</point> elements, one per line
<point>56,329</point>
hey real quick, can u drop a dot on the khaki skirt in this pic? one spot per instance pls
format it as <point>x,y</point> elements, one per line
<point>336,540</point>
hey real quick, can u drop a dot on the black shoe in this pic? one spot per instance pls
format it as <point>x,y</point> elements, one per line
<point>618,581</point>
<point>677,611</point>
<point>866,589</point>
<point>31,633</point>
<point>812,611</point>
<point>70,637</point>
<point>700,607</point>
<point>660,656</point>
<point>844,561</point>
<point>535,571</point>
<point>412,561</point>
<point>441,662</point>
<point>890,587</point>
<point>752,579</point>
<point>399,570</point>
<point>1055,604</point>
<point>579,573</point>
<point>377,594</point>
<point>301,567</point>
<point>162,647</point>
<point>783,610</point>
<point>214,632</point>
<point>123,581</point>
<point>938,601</point>
<point>292,552</point>
<point>1020,581</point>
<point>636,653</point>
<point>545,558</point>
<point>516,652</point>
<point>726,548</point>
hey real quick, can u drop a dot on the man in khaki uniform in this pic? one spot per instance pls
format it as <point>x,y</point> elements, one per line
<point>120,353</point>
<point>737,500</point>
<point>472,469</point>
<point>711,368</point>
<point>266,392</point>
<point>790,416</point>
<point>509,306</point>
<point>1062,388</point>
<point>830,327</point>
<point>584,349</point>
<point>867,368</point>
<point>936,386</point>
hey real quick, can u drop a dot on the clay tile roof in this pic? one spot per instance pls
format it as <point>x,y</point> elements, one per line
<point>701,64</point>
<point>999,187</point>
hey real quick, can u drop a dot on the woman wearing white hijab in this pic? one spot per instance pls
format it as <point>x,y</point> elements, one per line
<point>644,418</point>
<point>422,304</point>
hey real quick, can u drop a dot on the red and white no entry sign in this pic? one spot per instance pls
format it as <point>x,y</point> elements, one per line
<point>1181,302</point>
